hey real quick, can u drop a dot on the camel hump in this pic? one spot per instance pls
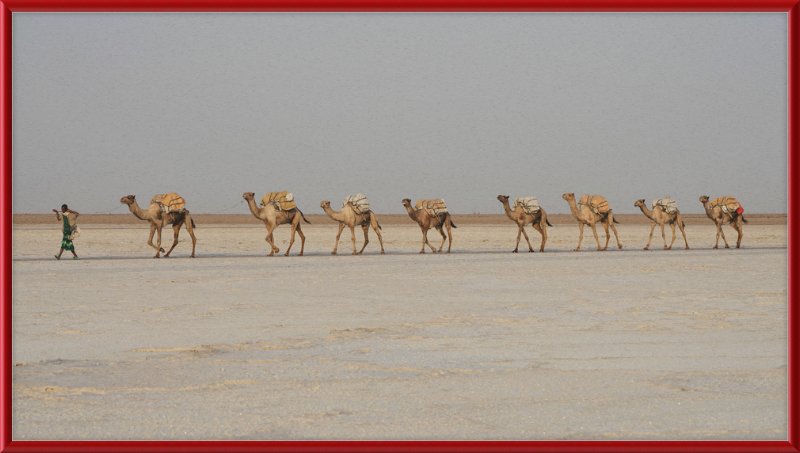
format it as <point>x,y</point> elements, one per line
<point>282,201</point>
<point>359,203</point>
<point>529,204</point>
<point>600,204</point>
<point>434,206</point>
<point>667,204</point>
<point>170,202</point>
<point>728,205</point>
<point>597,203</point>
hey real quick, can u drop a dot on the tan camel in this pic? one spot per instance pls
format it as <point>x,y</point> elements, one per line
<point>586,216</point>
<point>158,220</point>
<point>272,218</point>
<point>660,217</point>
<point>348,216</point>
<point>732,218</point>
<point>426,221</point>
<point>521,218</point>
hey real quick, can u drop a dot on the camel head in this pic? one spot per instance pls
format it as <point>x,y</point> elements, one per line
<point>406,202</point>
<point>503,198</point>
<point>325,204</point>
<point>248,196</point>
<point>639,203</point>
<point>128,200</point>
<point>704,199</point>
<point>568,196</point>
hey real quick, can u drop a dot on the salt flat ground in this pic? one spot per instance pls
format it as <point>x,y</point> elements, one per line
<point>478,344</point>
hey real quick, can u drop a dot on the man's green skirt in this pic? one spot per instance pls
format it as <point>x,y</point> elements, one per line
<point>66,244</point>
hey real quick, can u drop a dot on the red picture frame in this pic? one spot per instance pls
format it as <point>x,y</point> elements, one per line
<point>791,7</point>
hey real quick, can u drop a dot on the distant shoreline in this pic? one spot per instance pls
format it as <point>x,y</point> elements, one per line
<point>385,219</point>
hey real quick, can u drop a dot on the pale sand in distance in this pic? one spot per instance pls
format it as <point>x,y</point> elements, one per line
<point>478,344</point>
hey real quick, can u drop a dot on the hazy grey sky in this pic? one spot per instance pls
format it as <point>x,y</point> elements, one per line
<point>456,106</point>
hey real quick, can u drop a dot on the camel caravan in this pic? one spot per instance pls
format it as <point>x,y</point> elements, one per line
<point>279,208</point>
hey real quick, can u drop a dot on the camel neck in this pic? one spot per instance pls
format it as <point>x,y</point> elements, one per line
<point>574,208</point>
<point>251,203</point>
<point>648,213</point>
<point>335,215</point>
<point>137,211</point>
<point>708,211</point>
<point>412,213</point>
<point>507,209</point>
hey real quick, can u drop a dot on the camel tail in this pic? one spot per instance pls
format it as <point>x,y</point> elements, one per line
<point>192,220</point>
<point>452,224</point>
<point>548,222</point>
<point>379,226</point>
<point>733,219</point>
<point>615,220</point>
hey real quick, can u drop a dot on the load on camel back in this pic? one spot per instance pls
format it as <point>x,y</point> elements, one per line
<point>666,204</point>
<point>170,202</point>
<point>435,207</point>
<point>281,201</point>
<point>597,203</point>
<point>729,205</point>
<point>529,204</point>
<point>358,202</point>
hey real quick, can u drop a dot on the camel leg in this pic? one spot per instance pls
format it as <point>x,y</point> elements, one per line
<point>663,235</point>
<point>652,228</point>
<point>672,225</point>
<point>524,233</point>
<point>425,240</point>
<point>353,237</point>
<point>336,246</point>
<point>740,229</point>
<point>580,237</point>
<point>542,229</point>
<point>444,238</point>
<point>374,222</point>
<point>302,238</point>
<point>269,240</point>
<point>734,226</point>
<point>295,226</point>
<point>721,233</point>
<point>176,229</point>
<point>158,244</point>
<point>150,240</point>
<point>365,228</point>
<point>519,235</point>
<point>594,230</point>
<point>613,228</point>
<point>679,221</point>
<point>190,229</point>
<point>449,233</point>
<point>605,228</point>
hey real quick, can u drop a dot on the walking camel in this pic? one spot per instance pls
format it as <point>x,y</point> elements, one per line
<point>586,216</point>
<point>537,220</point>
<point>426,221</point>
<point>660,217</point>
<point>158,220</point>
<point>719,217</point>
<point>348,216</point>
<point>272,218</point>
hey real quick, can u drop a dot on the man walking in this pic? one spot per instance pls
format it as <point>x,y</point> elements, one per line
<point>70,223</point>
